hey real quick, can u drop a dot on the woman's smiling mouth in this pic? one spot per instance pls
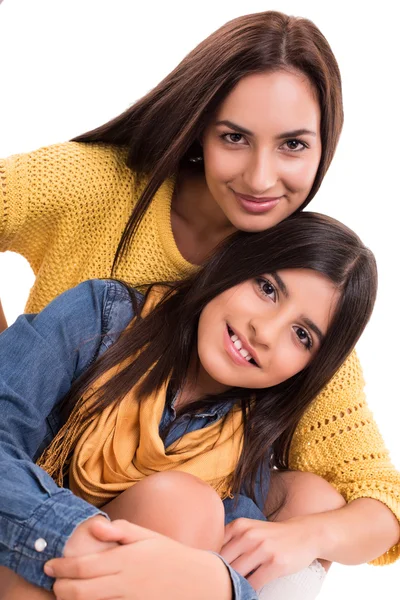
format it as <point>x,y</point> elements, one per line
<point>256,205</point>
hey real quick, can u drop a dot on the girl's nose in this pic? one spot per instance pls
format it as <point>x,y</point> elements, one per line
<point>266,331</point>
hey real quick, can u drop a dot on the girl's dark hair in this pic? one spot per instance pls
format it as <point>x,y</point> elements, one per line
<point>161,130</point>
<point>164,340</point>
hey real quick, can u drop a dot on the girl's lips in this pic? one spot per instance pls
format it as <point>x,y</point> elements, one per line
<point>233,352</point>
<point>257,205</point>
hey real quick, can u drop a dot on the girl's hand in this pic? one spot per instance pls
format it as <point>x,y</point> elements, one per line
<point>145,565</point>
<point>262,551</point>
<point>83,541</point>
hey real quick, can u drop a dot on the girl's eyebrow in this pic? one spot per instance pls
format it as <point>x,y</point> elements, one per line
<point>315,328</point>
<point>307,321</point>
<point>280,283</point>
<point>281,136</point>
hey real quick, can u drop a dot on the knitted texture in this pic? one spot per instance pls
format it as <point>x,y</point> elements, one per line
<point>338,439</point>
<point>64,208</point>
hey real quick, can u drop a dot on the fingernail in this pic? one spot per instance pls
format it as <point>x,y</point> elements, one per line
<point>49,571</point>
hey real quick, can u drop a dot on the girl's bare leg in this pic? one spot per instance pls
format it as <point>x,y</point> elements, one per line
<point>296,494</point>
<point>13,587</point>
<point>293,494</point>
<point>175,504</point>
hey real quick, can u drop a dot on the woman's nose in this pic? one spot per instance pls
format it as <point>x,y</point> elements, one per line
<point>261,173</point>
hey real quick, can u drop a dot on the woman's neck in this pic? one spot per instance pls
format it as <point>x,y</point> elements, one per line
<point>198,223</point>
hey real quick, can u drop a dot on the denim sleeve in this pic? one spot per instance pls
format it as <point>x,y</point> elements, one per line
<point>241,588</point>
<point>40,356</point>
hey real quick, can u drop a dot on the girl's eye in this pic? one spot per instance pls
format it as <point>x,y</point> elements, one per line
<point>267,288</point>
<point>304,337</point>
<point>233,138</point>
<point>295,145</point>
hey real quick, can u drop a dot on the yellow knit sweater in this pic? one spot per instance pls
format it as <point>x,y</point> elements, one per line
<point>64,208</point>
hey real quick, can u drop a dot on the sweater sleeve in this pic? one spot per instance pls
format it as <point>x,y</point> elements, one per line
<point>12,209</point>
<point>338,439</point>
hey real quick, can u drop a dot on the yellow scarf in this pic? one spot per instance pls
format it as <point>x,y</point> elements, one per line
<point>121,445</point>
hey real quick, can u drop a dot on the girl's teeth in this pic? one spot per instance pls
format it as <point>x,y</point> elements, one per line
<point>238,345</point>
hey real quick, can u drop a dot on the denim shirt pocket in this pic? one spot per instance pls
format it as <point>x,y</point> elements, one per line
<point>53,423</point>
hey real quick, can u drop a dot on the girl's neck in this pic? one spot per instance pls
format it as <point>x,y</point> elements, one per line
<point>198,223</point>
<point>197,385</point>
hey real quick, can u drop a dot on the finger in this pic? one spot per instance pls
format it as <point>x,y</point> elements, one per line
<point>236,528</point>
<point>248,562</point>
<point>264,574</point>
<point>83,567</point>
<point>237,546</point>
<point>120,531</point>
<point>228,533</point>
<point>101,588</point>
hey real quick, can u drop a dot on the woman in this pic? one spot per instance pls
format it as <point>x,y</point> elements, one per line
<point>295,315</point>
<point>238,136</point>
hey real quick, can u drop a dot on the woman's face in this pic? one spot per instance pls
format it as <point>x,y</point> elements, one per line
<point>265,330</point>
<point>262,149</point>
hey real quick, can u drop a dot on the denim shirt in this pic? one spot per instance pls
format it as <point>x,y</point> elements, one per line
<point>40,356</point>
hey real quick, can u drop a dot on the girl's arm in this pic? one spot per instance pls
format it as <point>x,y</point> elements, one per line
<point>40,355</point>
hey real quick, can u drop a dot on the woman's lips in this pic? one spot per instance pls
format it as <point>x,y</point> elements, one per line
<point>257,205</point>
<point>233,352</point>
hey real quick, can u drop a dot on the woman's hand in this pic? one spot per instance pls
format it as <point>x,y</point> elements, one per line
<point>145,565</point>
<point>262,551</point>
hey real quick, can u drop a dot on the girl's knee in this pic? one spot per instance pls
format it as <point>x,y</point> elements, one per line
<point>295,494</point>
<point>175,504</point>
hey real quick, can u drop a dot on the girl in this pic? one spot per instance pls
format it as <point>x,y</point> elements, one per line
<point>212,382</point>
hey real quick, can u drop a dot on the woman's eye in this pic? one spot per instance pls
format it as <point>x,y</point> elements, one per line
<point>233,138</point>
<point>295,145</point>
<point>267,289</point>
<point>304,337</point>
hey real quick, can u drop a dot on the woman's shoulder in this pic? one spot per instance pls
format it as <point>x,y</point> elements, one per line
<point>45,182</point>
<point>74,157</point>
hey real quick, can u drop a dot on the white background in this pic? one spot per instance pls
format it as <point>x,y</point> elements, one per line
<point>69,66</point>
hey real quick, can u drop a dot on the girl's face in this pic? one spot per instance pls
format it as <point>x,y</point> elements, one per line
<point>265,330</point>
<point>263,148</point>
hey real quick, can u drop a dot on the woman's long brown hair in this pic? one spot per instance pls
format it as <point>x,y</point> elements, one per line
<point>161,130</point>
<point>164,340</point>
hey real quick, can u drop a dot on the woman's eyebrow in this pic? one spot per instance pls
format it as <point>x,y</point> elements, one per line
<point>281,136</point>
<point>296,133</point>
<point>235,126</point>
